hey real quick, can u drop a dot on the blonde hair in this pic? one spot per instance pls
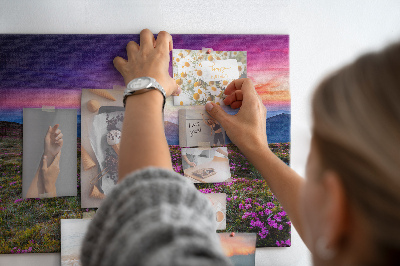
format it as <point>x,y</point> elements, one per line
<point>356,114</point>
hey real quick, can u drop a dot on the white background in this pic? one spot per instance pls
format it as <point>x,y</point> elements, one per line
<point>323,36</point>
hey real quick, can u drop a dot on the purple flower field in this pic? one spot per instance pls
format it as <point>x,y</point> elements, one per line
<point>33,225</point>
<point>251,206</point>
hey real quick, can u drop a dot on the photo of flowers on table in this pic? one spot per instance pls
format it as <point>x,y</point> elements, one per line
<point>102,115</point>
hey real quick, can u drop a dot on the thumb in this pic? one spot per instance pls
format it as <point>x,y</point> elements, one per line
<point>48,131</point>
<point>177,91</point>
<point>217,113</point>
<point>44,163</point>
<point>119,63</point>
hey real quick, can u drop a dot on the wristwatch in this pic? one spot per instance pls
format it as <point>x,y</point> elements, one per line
<point>142,85</point>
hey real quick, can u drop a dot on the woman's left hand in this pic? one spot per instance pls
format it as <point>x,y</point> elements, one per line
<point>53,142</point>
<point>150,59</point>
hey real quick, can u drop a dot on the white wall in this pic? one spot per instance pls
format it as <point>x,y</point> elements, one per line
<point>323,36</point>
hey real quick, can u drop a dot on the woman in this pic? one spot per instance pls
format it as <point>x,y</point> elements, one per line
<point>346,211</point>
<point>217,129</point>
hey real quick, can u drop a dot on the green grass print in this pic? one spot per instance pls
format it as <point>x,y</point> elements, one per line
<point>33,225</point>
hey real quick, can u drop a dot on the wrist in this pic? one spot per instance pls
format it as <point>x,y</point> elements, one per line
<point>143,85</point>
<point>49,188</point>
<point>256,149</point>
<point>152,98</point>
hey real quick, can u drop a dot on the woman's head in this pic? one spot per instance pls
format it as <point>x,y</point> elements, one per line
<point>356,151</point>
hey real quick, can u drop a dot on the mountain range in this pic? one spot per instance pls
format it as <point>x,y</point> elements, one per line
<point>278,129</point>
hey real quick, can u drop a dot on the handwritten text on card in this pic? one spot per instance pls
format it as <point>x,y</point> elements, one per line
<point>219,70</point>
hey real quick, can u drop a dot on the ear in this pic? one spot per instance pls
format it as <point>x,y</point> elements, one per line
<point>336,210</point>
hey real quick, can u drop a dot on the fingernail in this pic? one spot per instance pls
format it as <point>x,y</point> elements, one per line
<point>44,157</point>
<point>179,90</point>
<point>209,106</point>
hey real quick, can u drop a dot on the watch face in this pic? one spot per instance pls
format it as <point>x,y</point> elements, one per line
<point>141,83</point>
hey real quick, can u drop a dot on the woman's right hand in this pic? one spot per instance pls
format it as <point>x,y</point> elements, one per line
<point>246,129</point>
<point>149,59</point>
<point>53,142</point>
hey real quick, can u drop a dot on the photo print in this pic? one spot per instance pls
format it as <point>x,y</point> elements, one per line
<point>240,248</point>
<point>49,152</point>
<point>102,116</point>
<point>218,201</point>
<point>198,129</point>
<point>204,74</point>
<point>269,68</point>
<point>72,234</point>
<point>206,165</point>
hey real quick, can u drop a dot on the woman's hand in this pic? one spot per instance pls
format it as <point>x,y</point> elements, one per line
<point>50,174</point>
<point>53,142</point>
<point>192,164</point>
<point>150,59</point>
<point>247,128</point>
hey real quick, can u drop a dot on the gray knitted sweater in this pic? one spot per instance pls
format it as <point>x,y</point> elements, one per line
<point>153,217</point>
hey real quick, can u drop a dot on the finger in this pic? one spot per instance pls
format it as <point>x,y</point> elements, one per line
<point>246,85</point>
<point>234,97</point>
<point>44,163</point>
<point>164,41</point>
<point>58,131</point>
<point>236,105</point>
<point>217,112</point>
<point>250,96</point>
<point>48,132</point>
<point>147,40</point>
<point>131,48</point>
<point>59,136</point>
<point>119,63</point>
<point>233,86</point>
<point>177,92</point>
<point>56,126</point>
<point>59,142</point>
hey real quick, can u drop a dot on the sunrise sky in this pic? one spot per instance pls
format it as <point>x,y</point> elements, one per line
<point>51,70</point>
<point>239,244</point>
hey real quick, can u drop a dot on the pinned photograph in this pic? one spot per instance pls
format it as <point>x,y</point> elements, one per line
<point>240,248</point>
<point>72,234</point>
<point>198,129</point>
<point>49,152</point>
<point>102,115</point>
<point>204,75</point>
<point>206,165</point>
<point>218,201</point>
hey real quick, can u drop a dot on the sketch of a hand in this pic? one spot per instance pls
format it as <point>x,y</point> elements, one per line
<point>53,142</point>
<point>50,174</point>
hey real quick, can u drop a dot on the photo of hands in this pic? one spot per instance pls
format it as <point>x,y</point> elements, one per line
<point>49,157</point>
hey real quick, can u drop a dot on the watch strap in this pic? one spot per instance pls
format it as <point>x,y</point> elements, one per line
<point>154,85</point>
